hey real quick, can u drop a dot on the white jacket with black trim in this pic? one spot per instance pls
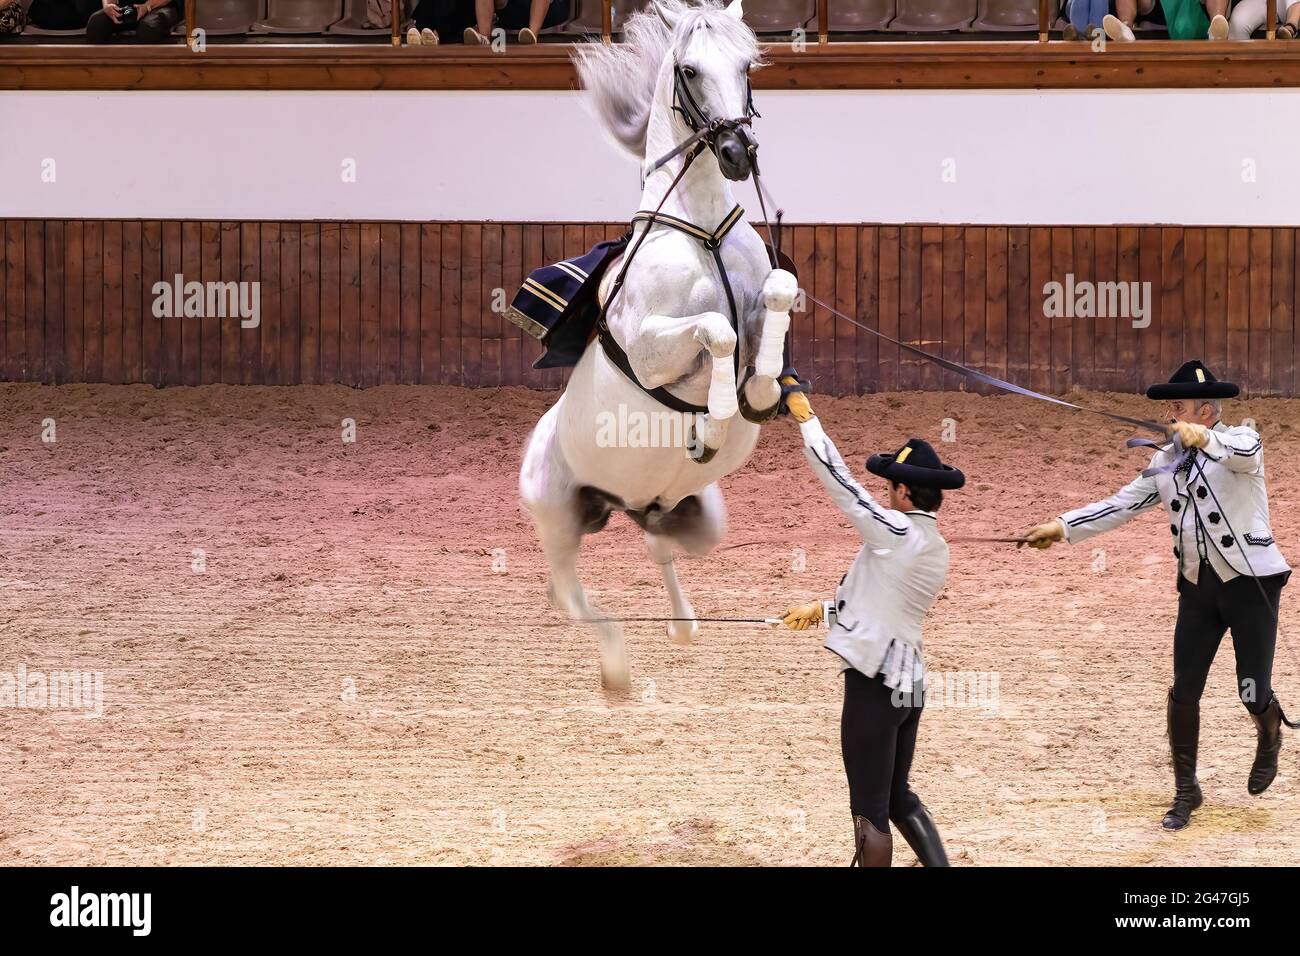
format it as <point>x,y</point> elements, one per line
<point>894,579</point>
<point>1217,507</point>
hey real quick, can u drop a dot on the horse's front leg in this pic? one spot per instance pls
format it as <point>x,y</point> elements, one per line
<point>762,390</point>
<point>666,348</point>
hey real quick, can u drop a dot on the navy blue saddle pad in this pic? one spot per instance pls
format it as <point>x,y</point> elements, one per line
<point>557,303</point>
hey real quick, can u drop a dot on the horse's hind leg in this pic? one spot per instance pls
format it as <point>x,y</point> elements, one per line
<point>696,526</point>
<point>562,513</point>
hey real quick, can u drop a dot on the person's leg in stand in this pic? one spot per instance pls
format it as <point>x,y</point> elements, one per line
<point>1217,11</point>
<point>101,26</point>
<point>481,32</point>
<point>1290,27</point>
<point>156,26</point>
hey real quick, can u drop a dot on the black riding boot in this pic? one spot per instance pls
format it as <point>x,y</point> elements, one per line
<point>922,836</point>
<point>871,847</point>
<point>1268,727</point>
<point>1184,729</point>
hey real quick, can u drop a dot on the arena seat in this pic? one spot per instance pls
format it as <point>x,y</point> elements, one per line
<point>860,16</point>
<point>299,16</point>
<point>586,16</point>
<point>933,16</point>
<point>355,23</point>
<point>779,16</point>
<point>226,17</point>
<point>1011,15</point>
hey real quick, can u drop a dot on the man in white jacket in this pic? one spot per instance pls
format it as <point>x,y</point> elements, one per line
<point>1231,573</point>
<point>875,628</point>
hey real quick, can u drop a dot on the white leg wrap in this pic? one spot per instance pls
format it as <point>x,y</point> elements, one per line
<point>722,389</point>
<point>771,344</point>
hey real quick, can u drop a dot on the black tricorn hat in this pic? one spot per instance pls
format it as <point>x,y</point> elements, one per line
<point>1193,380</point>
<point>916,464</point>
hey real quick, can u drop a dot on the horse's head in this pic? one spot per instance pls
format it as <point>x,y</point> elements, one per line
<point>712,53</point>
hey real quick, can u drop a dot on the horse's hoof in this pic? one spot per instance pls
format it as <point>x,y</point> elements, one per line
<point>683,632</point>
<point>615,675</point>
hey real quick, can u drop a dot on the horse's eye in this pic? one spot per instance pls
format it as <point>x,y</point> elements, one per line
<point>688,72</point>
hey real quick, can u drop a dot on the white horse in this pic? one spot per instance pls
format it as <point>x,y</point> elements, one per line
<point>671,317</point>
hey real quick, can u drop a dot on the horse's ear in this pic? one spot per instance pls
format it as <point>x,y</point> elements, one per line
<point>667,14</point>
<point>735,10</point>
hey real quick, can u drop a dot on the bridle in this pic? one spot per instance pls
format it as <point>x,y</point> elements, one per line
<point>706,128</point>
<point>705,134</point>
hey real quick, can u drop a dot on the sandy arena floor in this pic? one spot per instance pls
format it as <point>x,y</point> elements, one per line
<point>349,680</point>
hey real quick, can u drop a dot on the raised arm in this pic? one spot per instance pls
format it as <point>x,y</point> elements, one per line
<point>879,527</point>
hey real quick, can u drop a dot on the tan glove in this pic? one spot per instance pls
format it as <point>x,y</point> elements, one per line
<point>1045,535</point>
<point>800,407</point>
<point>1190,434</point>
<point>803,616</point>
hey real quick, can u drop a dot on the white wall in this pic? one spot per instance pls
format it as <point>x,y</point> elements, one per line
<point>1020,157</point>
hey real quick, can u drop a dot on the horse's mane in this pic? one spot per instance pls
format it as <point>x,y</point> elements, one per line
<point>621,77</point>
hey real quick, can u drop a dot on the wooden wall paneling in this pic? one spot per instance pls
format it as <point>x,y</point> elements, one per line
<point>309,298</point>
<point>250,271</point>
<point>389,363</point>
<point>953,311</point>
<point>1259,341</point>
<point>1172,315</point>
<point>845,241</point>
<point>975,291</point>
<point>210,324</point>
<point>371,303</point>
<point>290,301</point>
<point>1282,314</point>
<point>868,310</point>
<point>1193,293</point>
<point>1237,366</point>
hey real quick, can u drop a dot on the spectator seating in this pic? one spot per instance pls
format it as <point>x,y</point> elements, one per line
<point>1010,15</point>
<point>586,16</point>
<point>298,17</point>
<point>933,16</point>
<point>222,18</point>
<point>779,16</point>
<point>861,16</point>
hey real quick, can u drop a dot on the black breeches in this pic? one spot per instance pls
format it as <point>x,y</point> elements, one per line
<point>877,739</point>
<point>1209,608</point>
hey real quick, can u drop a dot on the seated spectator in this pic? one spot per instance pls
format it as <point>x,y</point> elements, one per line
<point>441,18</point>
<point>151,20</point>
<point>1184,19</point>
<point>1248,16</point>
<point>1085,18</point>
<point>529,17</point>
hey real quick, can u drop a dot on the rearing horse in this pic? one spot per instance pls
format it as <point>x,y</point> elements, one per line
<point>695,299</point>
